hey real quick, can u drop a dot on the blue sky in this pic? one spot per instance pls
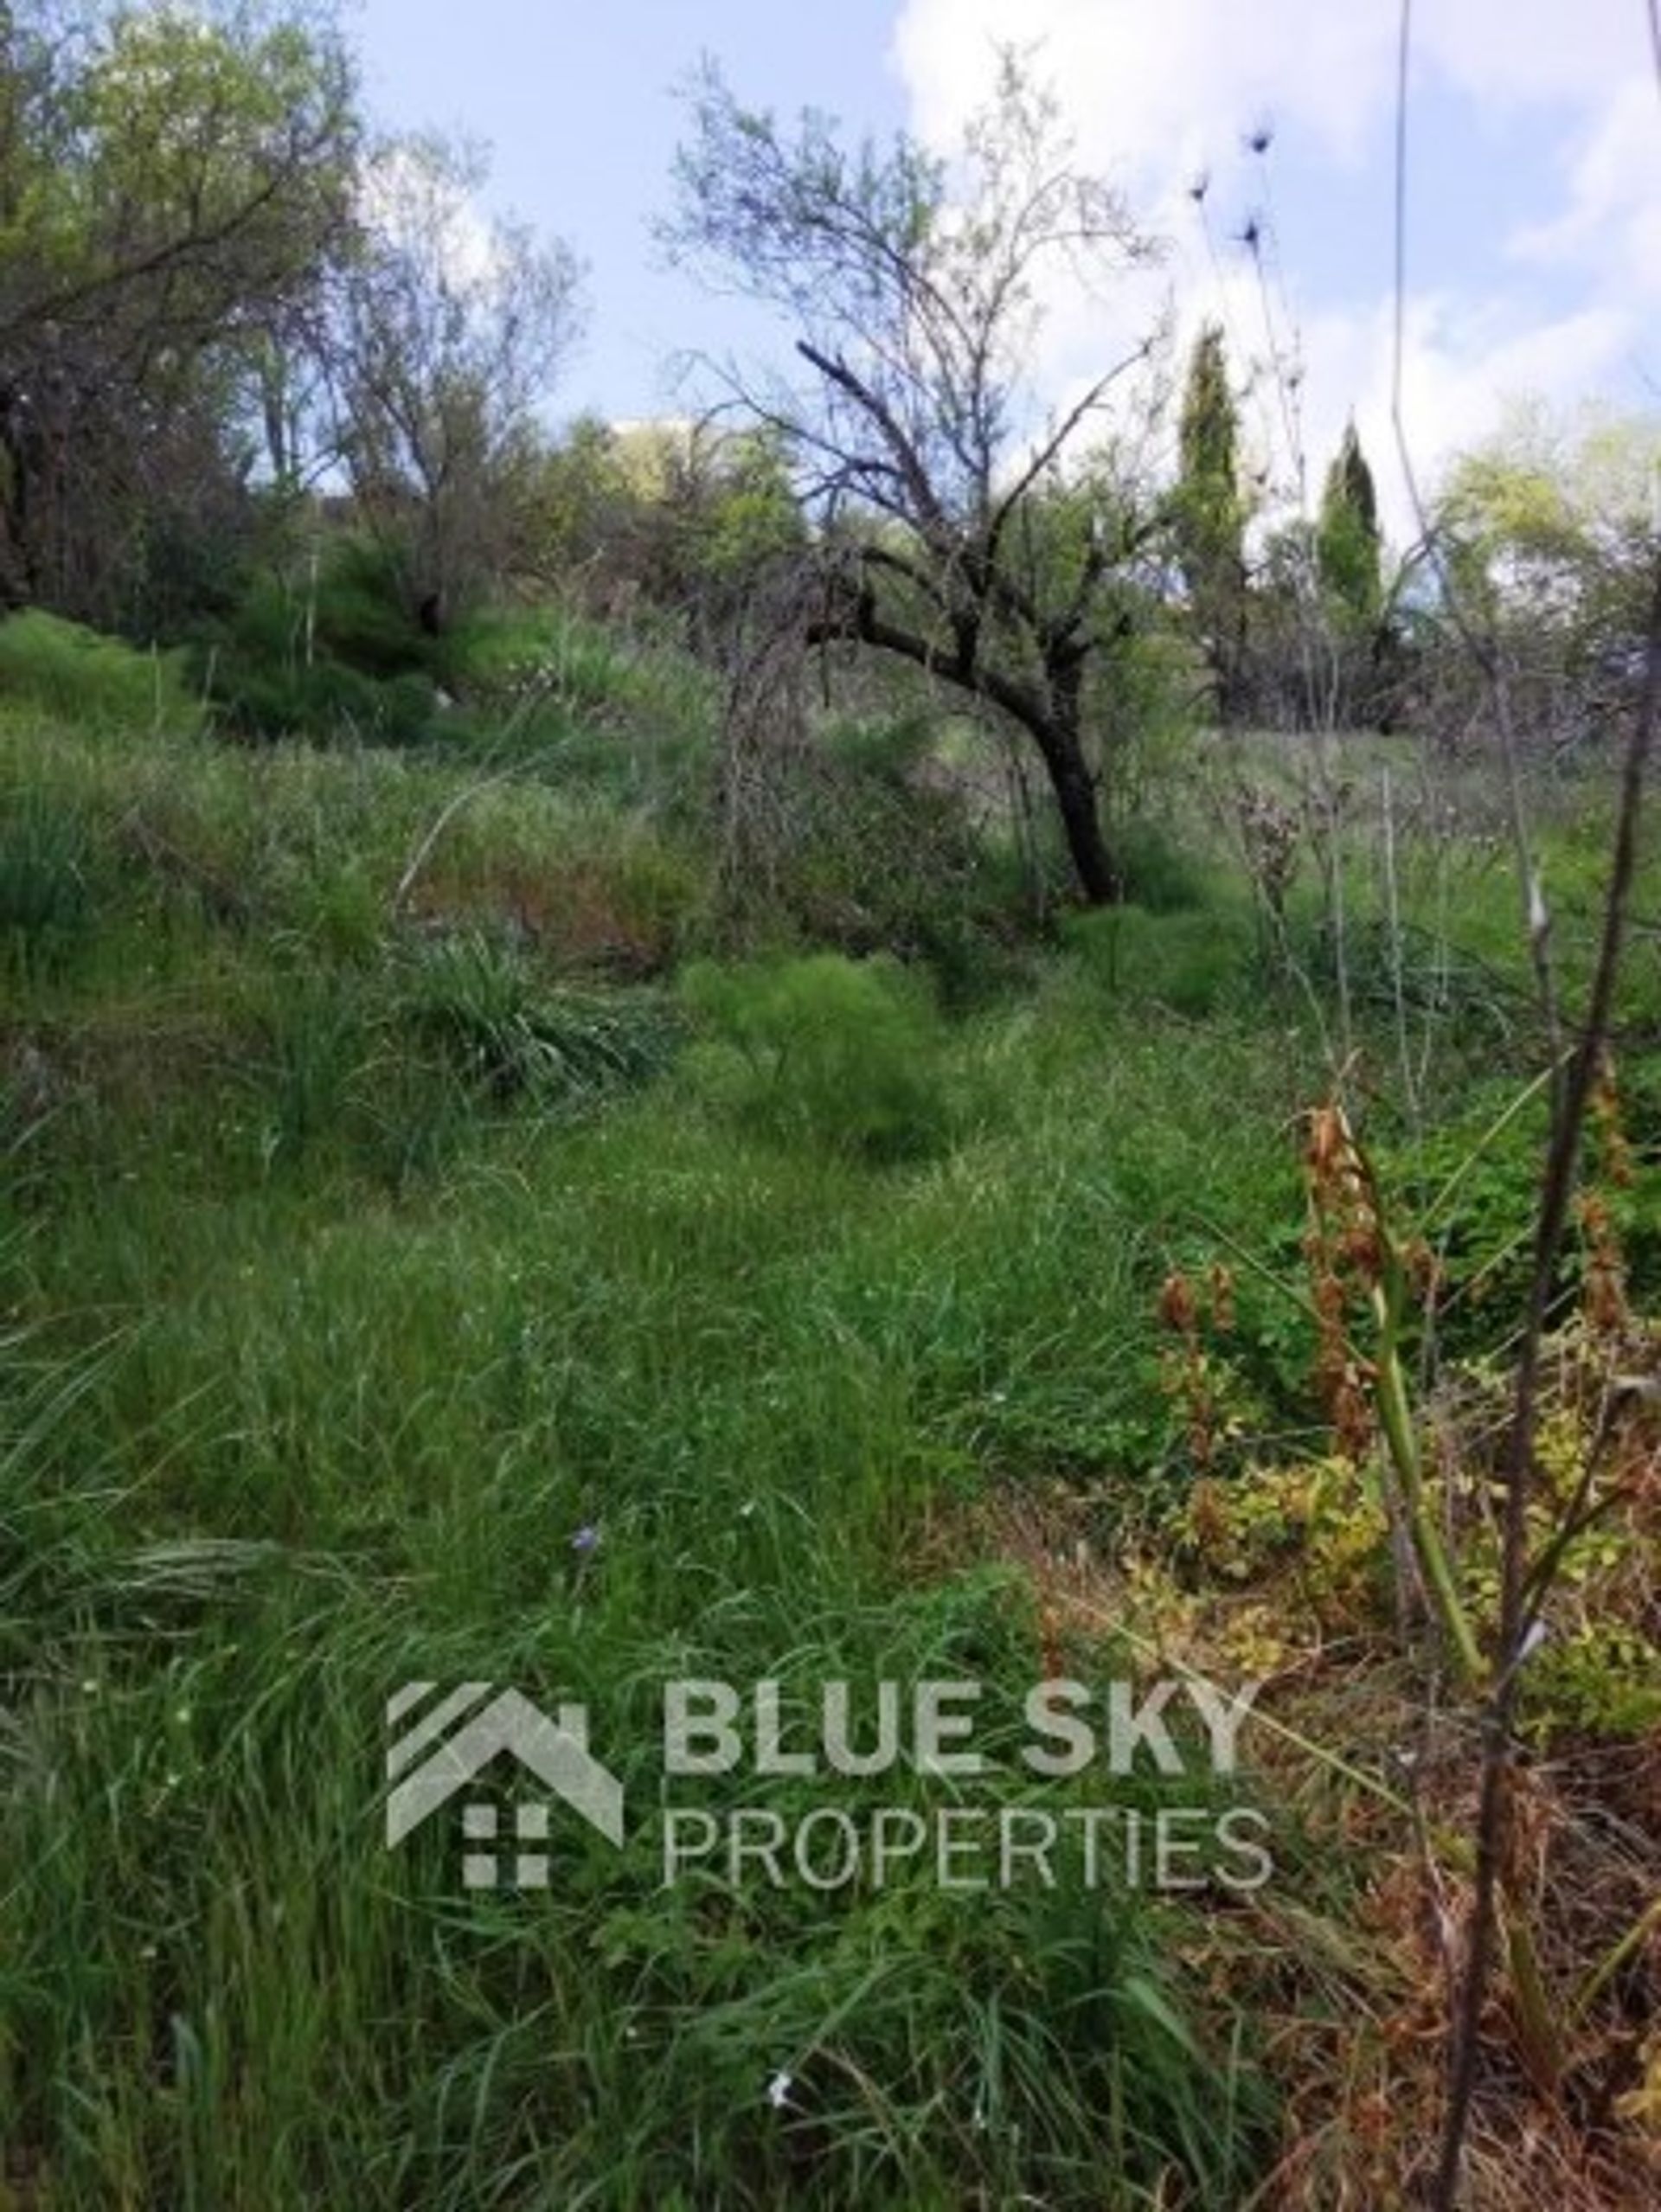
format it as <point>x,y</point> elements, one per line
<point>1534,238</point>
<point>578,106</point>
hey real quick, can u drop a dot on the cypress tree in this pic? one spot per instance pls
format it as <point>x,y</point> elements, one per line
<point>1211,518</point>
<point>1347,545</point>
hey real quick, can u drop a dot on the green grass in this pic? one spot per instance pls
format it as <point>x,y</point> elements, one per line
<point>301,1457</point>
<point>372,1233</point>
<point>59,669</point>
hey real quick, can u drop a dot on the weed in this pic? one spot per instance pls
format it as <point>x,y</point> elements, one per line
<point>830,1052</point>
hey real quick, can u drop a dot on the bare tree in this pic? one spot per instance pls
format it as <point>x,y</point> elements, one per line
<point>952,536</point>
<point>450,333</point>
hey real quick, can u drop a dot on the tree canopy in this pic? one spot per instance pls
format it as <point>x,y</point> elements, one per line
<point>1347,546</point>
<point>214,278</point>
<point>175,189</point>
<point>915,290</point>
<point>449,330</point>
<point>1209,516</point>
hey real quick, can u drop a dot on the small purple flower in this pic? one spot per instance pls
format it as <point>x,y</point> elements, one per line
<point>586,1541</point>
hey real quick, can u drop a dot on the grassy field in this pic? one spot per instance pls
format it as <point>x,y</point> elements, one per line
<point>427,1255</point>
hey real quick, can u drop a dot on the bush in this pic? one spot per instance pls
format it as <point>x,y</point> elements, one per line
<point>834,1051</point>
<point>1192,962</point>
<point>323,651</point>
<point>1158,874</point>
<point>326,701</point>
<point>879,853</point>
<point>888,749</point>
<point>80,677</point>
<point>482,1004</point>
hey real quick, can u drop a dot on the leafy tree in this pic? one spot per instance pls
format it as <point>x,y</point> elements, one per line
<point>1209,518</point>
<point>1550,516</point>
<point>1548,535</point>
<point>915,294</point>
<point>174,188</point>
<point>1348,545</point>
<point>683,515</point>
<point>449,335</point>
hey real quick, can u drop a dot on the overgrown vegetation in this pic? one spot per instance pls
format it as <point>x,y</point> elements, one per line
<point>392,1292</point>
<point>566,1124</point>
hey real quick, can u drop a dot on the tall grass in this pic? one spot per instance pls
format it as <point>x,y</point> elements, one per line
<point>299,1458</point>
<point>375,1243</point>
<point>62,669</point>
<point>283,1436</point>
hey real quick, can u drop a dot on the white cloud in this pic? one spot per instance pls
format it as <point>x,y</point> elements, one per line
<point>1169,81</point>
<point>1158,90</point>
<point>1527,53</point>
<point>1462,370</point>
<point>1613,221</point>
<point>1177,79</point>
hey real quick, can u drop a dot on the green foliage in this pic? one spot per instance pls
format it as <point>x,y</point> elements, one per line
<point>624,715</point>
<point>324,645</point>
<point>1603,1682</point>
<point>1318,1517</point>
<point>78,676</point>
<point>361,1260</point>
<point>683,518</point>
<point>1161,873</point>
<point>1549,530</point>
<point>1208,515</point>
<point>349,1448</point>
<point>48,892</point>
<point>1347,541</point>
<point>888,749</point>
<point>1480,1006</point>
<point>1487,1154</point>
<point>916,304</point>
<point>506,1030</point>
<point>834,1052</point>
<point>884,859</point>
<point>255,81</point>
<point>176,184</point>
<point>1193,962</point>
<point>1142,705</point>
<point>311,1051</point>
<point>870,845</point>
<point>1549,510</point>
<point>1209,435</point>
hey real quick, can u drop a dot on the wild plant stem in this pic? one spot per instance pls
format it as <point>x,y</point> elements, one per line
<point>1396,1416</point>
<point>1551,1220</point>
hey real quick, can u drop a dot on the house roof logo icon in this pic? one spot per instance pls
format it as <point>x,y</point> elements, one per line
<point>448,1744</point>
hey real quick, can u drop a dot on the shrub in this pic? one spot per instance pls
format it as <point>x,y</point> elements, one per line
<point>1158,875</point>
<point>834,1051</point>
<point>1192,962</point>
<point>888,749</point>
<point>323,650</point>
<point>595,675</point>
<point>482,1004</point>
<point>881,854</point>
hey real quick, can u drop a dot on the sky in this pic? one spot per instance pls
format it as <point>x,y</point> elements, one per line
<point>1534,210</point>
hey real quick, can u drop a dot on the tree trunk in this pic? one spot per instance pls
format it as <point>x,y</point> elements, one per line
<point>1074,789</point>
<point>1049,715</point>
